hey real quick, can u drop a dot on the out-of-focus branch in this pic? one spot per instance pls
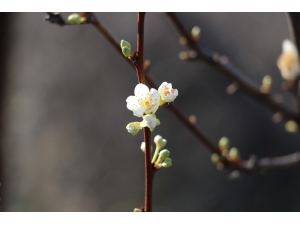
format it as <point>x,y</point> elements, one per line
<point>231,72</point>
<point>294,28</point>
<point>251,165</point>
<point>4,43</point>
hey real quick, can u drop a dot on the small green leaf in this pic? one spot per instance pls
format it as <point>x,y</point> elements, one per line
<point>126,51</point>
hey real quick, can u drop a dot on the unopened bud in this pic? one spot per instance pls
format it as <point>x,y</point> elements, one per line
<point>125,44</point>
<point>266,84</point>
<point>143,147</point>
<point>74,18</point>
<point>126,51</point>
<point>133,128</point>
<point>196,33</point>
<point>224,143</point>
<point>291,126</point>
<point>233,154</point>
<point>215,158</point>
<point>167,163</point>
<point>126,48</point>
<point>160,142</point>
<point>163,154</point>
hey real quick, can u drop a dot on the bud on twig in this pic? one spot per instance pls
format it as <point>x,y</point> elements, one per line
<point>224,143</point>
<point>266,84</point>
<point>74,19</point>
<point>196,33</point>
<point>291,126</point>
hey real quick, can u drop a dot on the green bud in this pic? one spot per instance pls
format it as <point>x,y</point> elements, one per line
<point>196,31</point>
<point>133,128</point>
<point>167,163</point>
<point>125,44</point>
<point>126,51</point>
<point>163,154</point>
<point>233,154</point>
<point>224,143</point>
<point>267,80</point>
<point>74,18</point>
<point>291,126</point>
<point>215,158</point>
<point>160,142</point>
<point>137,210</point>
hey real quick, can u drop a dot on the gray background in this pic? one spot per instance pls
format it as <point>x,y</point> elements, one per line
<point>65,145</point>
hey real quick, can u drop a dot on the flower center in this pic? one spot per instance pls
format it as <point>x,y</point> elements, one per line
<point>167,91</point>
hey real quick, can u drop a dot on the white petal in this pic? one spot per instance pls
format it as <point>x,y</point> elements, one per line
<point>154,96</point>
<point>169,86</point>
<point>162,87</point>
<point>170,98</point>
<point>141,91</point>
<point>289,47</point>
<point>132,103</point>
<point>149,121</point>
<point>176,92</point>
<point>140,111</point>
<point>154,108</point>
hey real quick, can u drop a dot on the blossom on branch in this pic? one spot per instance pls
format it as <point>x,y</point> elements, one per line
<point>288,62</point>
<point>144,101</point>
<point>150,121</point>
<point>167,93</point>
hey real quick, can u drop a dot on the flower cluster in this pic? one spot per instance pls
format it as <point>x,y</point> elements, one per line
<point>146,102</point>
<point>231,154</point>
<point>160,157</point>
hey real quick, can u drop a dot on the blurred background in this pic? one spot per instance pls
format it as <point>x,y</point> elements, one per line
<point>64,146</point>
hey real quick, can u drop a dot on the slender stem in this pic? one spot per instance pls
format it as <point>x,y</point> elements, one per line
<point>147,132</point>
<point>155,155</point>
<point>231,72</point>
<point>140,47</point>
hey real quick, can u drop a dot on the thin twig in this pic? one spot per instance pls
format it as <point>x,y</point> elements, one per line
<point>251,165</point>
<point>293,19</point>
<point>294,27</point>
<point>147,132</point>
<point>231,72</point>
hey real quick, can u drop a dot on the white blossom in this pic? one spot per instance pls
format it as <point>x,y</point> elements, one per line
<point>150,121</point>
<point>288,62</point>
<point>144,101</point>
<point>167,93</point>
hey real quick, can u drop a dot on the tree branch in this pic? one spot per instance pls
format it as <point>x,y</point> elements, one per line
<point>246,166</point>
<point>231,72</point>
<point>147,132</point>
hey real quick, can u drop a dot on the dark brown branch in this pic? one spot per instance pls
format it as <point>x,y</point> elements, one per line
<point>294,27</point>
<point>231,72</point>
<point>147,132</point>
<point>250,165</point>
<point>4,43</point>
